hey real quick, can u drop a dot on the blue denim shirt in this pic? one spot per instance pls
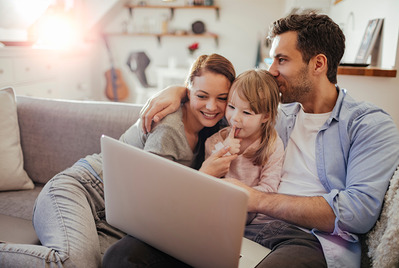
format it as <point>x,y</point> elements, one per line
<point>357,152</point>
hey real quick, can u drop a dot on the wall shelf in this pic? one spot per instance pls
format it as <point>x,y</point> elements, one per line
<point>172,8</point>
<point>159,36</point>
<point>367,71</point>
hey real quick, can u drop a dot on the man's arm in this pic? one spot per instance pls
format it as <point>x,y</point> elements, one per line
<point>160,105</point>
<point>370,158</point>
<point>308,212</point>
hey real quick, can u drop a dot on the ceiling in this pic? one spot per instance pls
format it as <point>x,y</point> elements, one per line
<point>19,14</point>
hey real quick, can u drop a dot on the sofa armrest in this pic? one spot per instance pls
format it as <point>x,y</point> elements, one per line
<point>57,133</point>
<point>383,239</point>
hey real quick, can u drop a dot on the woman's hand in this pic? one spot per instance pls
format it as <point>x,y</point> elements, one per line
<point>160,105</point>
<point>232,142</point>
<point>218,164</point>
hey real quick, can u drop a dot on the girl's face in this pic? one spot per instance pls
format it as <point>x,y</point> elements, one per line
<point>208,98</point>
<point>239,114</point>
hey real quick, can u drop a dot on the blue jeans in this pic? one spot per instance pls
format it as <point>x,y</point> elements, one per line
<point>130,252</point>
<point>291,247</point>
<point>69,219</point>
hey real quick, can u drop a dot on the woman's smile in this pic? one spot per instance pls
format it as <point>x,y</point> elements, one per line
<point>210,115</point>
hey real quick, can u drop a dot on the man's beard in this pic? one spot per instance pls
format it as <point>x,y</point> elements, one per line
<point>297,90</point>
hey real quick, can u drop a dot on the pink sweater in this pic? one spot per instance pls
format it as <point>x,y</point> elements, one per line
<point>263,178</point>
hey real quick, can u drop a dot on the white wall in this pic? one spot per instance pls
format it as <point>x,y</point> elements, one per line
<point>381,91</point>
<point>318,5</point>
<point>240,27</point>
<point>353,16</point>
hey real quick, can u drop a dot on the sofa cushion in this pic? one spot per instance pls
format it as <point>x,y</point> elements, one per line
<point>19,203</point>
<point>57,133</point>
<point>12,173</point>
<point>17,231</point>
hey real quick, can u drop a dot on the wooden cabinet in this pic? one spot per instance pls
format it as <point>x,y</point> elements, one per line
<point>6,74</point>
<point>44,73</point>
<point>34,68</point>
<point>75,77</point>
<point>27,72</point>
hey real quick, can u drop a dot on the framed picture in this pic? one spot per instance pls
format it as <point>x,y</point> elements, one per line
<point>370,40</point>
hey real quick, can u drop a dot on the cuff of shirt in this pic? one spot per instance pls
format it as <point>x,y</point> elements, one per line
<point>338,231</point>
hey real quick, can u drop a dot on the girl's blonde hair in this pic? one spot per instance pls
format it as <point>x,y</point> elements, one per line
<point>260,89</point>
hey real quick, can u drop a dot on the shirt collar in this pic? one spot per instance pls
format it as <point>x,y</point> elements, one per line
<point>290,109</point>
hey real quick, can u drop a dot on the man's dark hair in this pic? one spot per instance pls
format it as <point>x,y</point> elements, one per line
<point>317,34</point>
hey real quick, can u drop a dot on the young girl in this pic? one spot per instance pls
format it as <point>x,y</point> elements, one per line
<point>251,112</point>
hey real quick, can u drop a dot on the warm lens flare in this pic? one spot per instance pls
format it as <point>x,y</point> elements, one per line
<point>56,32</point>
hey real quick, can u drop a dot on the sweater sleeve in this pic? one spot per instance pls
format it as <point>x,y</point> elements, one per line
<point>210,143</point>
<point>166,139</point>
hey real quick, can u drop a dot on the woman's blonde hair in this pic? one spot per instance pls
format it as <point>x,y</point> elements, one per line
<point>214,63</point>
<point>260,89</point>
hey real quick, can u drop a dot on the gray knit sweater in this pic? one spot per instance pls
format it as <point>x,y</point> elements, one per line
<point>167,139</point>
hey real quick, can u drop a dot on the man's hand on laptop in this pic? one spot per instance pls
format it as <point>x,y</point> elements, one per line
<point>254,194</point>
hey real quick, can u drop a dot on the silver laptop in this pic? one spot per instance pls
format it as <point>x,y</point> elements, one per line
<point>185,213</point>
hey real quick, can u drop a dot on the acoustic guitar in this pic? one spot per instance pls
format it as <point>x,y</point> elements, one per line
<point>116,88</point>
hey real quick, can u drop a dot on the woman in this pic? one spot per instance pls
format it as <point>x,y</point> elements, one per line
<point>179,136</point>
<point>69,215</point>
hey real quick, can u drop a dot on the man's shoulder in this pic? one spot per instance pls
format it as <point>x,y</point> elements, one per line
<point>353,110</point>
<point>361,118</point>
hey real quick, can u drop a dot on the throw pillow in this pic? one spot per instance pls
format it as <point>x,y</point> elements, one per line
<point>12,173</point>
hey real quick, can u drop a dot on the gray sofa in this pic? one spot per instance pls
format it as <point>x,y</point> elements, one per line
<point>56,133</point>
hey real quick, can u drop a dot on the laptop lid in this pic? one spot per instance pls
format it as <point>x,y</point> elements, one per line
<point>185,213</point>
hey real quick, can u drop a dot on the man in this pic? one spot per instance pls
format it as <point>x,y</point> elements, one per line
<point>340,154</point>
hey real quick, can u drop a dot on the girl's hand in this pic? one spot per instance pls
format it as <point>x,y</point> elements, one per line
<point>218,164</point>
<point>160,105</point>
<point>232,142</point>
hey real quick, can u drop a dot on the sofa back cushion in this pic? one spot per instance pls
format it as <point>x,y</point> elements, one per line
<point>12,173</point>
<point>57,133</point>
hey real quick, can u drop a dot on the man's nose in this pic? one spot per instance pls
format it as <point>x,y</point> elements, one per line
<point>273,69</point>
